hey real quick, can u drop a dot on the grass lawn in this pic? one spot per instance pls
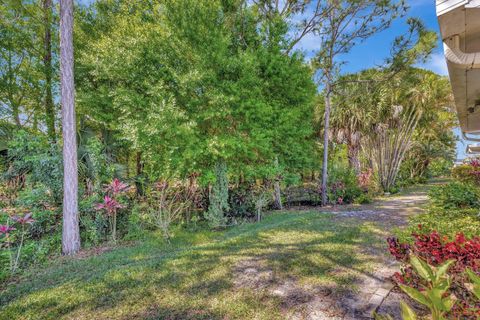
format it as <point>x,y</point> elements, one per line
<point>197,276</point>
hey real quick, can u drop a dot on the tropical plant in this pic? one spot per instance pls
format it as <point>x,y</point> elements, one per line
<point>111,204</point>
<point>436,250</point>
<point>166,206</point>
<point>433,295</point>
<point>13,238</point>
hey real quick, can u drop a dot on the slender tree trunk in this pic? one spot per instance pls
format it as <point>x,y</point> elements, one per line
<point>71,233</point>
<point>16,115</point>
<point>127,161</point>
<point>353,157</point>
<point>328,103</point>
<point>139,183</point>
<point>278,195</point>
<point>276,188</point>
<point>11,79</point>
<point>47,65</point>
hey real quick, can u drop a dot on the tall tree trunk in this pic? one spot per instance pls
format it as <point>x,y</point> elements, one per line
<point>47,65</point>
<point>328,102</point>
<point>71,233</point>
<point>353,157</point>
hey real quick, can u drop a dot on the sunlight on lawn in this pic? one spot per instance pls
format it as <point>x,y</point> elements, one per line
<point>196,279</point>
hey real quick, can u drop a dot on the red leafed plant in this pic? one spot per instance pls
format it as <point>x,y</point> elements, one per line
<point>26,219</point>
<point>365,179</point>
<point>474,163</point>
<point>437,249</point>
<point>13,238</point>
<point>116,187</point>
<point>5,229</point>
<point>111,205</point>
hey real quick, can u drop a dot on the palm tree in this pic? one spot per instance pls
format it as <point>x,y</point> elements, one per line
<point>353,115</point>
<point>71,232</point>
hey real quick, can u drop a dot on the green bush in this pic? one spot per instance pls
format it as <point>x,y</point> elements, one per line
<point>343,185</point>
<point>241,202</point>
<point>445,221</point>
<point>465,173</point>
<point>455,195</point>
<point>136,227</point>
<point>41,160</point>
<point>93,223</point>
<point>364,198</point>
<point>218,200</point>
<point>440,167</point>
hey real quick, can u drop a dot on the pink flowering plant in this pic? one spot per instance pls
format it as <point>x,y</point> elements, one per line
<point>111,204</point>
<point>12,236</point>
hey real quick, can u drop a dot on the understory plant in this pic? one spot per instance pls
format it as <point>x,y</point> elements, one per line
<point>447,222</point>
<point>433,291</point>
<point>468,172</point>
<point>218,198</point>
<point>262,198</point>
<point>167,205</point>
<point>455,195</point>
<point>13,234</point>
<point>343,186</point>
<point>111,204</point>
<point>435,250</point>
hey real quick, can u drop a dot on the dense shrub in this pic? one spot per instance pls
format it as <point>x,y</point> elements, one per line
<point>447,222</point>
<point>468,172</point>
<point>218,199</point>
<point>303,194</point>
<point>455,195</point>
<point>41,160</point>
<point>440,167</point>
<point>437,249</point>
<point>93,224</point>
<point>241,202</point>
<point>343,185</point>
<point>364,198</point>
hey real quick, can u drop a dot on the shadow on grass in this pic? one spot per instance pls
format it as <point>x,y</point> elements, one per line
<point>188,280</point>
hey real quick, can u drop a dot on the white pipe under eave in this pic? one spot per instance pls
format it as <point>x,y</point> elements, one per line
<point>455,55</point>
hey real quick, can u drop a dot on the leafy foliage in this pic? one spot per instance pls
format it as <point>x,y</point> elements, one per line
<point>433,294</point>
<point>218,199</point>
<point>343,185</point>
<point>455,195</point>
<point>40,160</point>
<point>441,258</point>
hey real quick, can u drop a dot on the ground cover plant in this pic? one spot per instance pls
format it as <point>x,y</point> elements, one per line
<point>454,258</point>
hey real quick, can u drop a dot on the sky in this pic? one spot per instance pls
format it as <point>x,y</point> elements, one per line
<point>376,49</point>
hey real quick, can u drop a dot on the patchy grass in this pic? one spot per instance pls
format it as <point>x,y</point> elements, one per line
<point>194,277</point>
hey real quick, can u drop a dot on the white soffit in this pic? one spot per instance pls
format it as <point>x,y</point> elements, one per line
<point>459,22</point>
<point>443,6</point>
<point>473,149</point>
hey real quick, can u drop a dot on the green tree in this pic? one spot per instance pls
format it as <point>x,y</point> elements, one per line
<point>346,23</point>
<point>226,93</point>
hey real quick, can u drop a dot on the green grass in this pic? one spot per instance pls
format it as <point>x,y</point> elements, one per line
<point>193,277</point>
